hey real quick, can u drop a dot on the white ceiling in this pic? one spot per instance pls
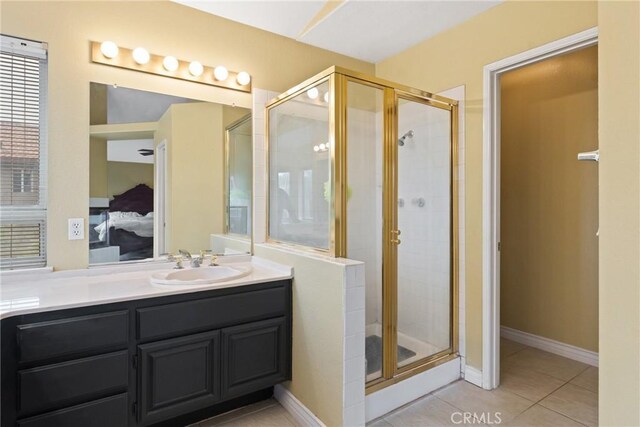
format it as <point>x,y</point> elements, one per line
<point>363,29</point>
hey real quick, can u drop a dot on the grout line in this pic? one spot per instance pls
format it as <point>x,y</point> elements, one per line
<point>559,413</point>
<point>584,388</point>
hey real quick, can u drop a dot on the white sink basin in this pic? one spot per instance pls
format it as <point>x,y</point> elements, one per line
<point>199,276</point>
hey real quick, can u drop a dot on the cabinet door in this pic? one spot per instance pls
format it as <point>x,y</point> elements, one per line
<point>178,375</point>
<point>254,356</point>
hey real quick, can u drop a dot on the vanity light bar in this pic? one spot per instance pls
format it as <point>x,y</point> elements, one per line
<point>139,59</point>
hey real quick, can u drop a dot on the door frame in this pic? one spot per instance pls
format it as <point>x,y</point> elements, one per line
<point>160,185</point>
<point>491,190</point>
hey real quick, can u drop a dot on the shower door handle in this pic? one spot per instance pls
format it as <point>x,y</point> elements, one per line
<point>590,155</point>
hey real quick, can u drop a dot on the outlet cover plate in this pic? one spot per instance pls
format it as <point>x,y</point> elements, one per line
<point>76,228</point>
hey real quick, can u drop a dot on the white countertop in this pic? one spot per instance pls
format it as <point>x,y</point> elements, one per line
<point>34,293</point>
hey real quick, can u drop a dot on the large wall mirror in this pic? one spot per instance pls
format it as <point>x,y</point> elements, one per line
<point>166,173</point>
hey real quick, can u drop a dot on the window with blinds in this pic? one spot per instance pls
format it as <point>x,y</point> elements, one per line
<point>23,214</point>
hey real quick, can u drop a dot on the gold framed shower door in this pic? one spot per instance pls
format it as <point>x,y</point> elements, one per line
<point>339,78</point>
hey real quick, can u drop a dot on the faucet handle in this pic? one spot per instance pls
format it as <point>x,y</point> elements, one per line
<point>178,261</point>
<point>213,262</point>
<point>184,253</point>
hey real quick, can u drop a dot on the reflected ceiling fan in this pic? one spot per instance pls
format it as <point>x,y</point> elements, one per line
<point>146,151</point>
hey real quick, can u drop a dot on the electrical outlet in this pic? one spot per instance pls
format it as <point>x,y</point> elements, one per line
<point>76,228</point>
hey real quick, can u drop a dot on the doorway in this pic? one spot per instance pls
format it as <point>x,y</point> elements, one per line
<point>540,203</point>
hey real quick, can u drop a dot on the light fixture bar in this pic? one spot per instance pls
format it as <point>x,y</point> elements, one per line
<point>124,59</point>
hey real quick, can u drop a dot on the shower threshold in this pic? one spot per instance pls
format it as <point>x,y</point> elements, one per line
<point>409,350</point>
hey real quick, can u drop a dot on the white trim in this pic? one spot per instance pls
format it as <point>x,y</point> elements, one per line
<point>552,346</point>
<point>295,408</point>
<point>161,186</point>
<point>24,47</point>
<point>473,375</point>
<point>491,192</point>
<point>389,398</point>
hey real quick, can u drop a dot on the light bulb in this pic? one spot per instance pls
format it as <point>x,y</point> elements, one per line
<point>109,49</point>
<point>312,93</point>
<point>220,73</point>
<point>243,78</point>
<point>326,97</point>
<point>323,147</point>
<point>316,148</point>
<point>195,68</point>
<point>141,56</point>
<point>170,63</point>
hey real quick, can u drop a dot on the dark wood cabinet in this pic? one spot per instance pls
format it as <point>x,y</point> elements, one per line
<point>178,376</point>
<point>152,361</point>
<point>254,355</point>
<point>108,412</point>
<point>71,382</point>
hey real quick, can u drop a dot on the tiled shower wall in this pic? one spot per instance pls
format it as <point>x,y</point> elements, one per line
<point>423,255</point>
<point>424,219</point>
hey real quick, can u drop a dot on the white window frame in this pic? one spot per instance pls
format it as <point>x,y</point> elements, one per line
<point>17,214</point>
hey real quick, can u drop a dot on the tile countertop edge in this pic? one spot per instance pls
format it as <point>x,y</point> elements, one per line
<point>38,292</point>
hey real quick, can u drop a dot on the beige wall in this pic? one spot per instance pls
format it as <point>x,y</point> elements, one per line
<point>457,57</point>
<point>318,331</point>
<point>275,62</point>
<point>123,176</point>
<point>619,128</point>
<point>98,175</point>
<point>108,179</point>
<point>549,200</point>
<point>197,175</point>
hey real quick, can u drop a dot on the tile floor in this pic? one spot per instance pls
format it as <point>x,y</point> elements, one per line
<point>267,413</point>
<point>537,389</point>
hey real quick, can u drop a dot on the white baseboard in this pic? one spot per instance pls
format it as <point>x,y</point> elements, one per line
<point>295,408</point>
<point>556,347</point>
<point>473,375</point>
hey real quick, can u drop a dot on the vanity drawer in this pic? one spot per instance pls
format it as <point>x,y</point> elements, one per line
<point>108,412</point>
<point>210,313</point>
<point>46,340</point>
<point>67,383</point>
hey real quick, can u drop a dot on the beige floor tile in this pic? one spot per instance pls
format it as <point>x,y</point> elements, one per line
<point>273,416</point>
<point>236,413</point>
<point>546,363</point>
<point>380,422</point>
<point>575,402</point>
<point>539,416</point>
<point>509,348</point>
<point>588,379</point>
<point>529,384</point>
<point>470,398</point>
<point>425,412</point>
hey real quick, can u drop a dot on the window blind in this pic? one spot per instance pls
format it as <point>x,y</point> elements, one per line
<point>23,81</point>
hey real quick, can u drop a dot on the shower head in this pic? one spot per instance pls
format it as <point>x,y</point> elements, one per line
<point>408,134</point>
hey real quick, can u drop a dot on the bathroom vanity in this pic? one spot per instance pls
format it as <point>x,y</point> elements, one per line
<point>161,355</point>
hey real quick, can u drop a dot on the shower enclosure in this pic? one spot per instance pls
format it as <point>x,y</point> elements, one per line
<point>365,169</point>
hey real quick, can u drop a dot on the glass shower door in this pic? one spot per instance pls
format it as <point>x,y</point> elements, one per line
<point>365,137</point>
<point>424,218</point>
